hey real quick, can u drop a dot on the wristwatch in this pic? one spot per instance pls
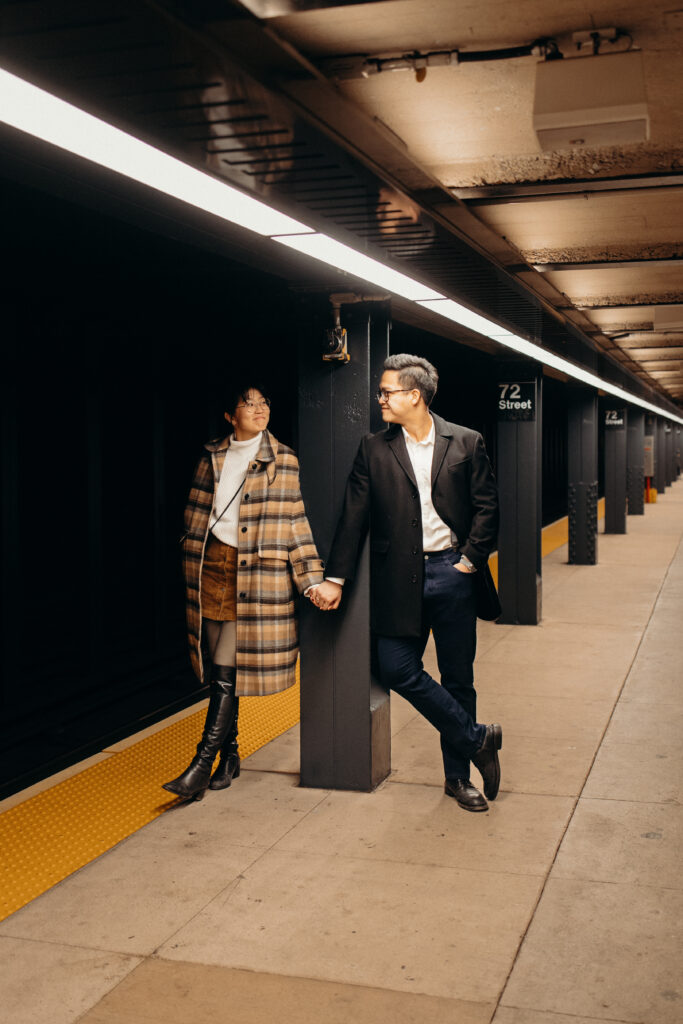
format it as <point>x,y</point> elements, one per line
<point>468,565</point>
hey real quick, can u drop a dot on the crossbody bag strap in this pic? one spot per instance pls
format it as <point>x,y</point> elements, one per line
<point>230,502</point>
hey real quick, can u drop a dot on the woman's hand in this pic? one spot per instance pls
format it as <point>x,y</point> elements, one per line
<point>326,595</point>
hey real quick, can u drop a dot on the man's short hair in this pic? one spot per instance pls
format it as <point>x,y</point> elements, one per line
<point>414,372</point>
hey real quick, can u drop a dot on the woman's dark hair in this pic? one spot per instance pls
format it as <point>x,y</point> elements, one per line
<point>240,393</point>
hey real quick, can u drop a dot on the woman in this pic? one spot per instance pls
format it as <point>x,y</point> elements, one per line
<point>247,550</point>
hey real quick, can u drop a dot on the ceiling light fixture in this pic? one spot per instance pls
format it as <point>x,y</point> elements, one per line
<point>343,257</point>
<point>39,113</point>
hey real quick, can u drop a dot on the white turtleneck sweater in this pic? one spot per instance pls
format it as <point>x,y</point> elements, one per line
<point>237,460</point>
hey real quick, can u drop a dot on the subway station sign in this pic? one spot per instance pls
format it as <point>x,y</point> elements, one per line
<point>615,419</point>
<point>517,400</point>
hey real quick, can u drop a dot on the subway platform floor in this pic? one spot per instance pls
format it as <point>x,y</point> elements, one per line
<point>561,905</point>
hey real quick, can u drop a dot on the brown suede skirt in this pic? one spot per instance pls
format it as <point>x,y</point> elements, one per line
<point>219,581</point>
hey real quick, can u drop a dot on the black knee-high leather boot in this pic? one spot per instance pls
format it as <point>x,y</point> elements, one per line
<point>229,764</point>
<point>219,720</point>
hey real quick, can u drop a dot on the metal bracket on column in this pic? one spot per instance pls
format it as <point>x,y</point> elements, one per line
<point>336,336</point>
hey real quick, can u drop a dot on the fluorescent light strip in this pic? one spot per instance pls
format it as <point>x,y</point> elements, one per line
<point>343,257</point>
<point>38,113</point>
<point>46,117</point>
<point>466,318</point>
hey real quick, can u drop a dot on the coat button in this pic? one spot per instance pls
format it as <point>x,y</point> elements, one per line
<point>244,529</point>
<point>242,595</point>
<point>415,494</point>
<point>413,578</point>
<point>243,562</point>
<point>414,522</point>
<point>414,551</point>
<point>246,497</point>
<point>255,466</point>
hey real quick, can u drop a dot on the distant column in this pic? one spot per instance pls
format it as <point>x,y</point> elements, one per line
<point>518,470</point>
<point>635,461</point>
<point>583,476</point>
<point>615,469</point>
<point>660,456</point>
<point>668,455</point>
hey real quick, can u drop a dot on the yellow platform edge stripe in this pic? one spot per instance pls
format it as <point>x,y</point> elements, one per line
<point>54,833</point>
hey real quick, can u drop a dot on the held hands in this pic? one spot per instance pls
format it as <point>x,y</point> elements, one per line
<point>326,595</point>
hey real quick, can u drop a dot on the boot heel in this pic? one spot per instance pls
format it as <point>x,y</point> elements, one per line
<point>236,773</point>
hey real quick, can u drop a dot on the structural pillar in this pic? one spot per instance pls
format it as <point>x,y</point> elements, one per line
<point>660,456</point>
<point>635,462</point>
<point>677,451</point>
<point>615,470</point>
<point>668,455</point>
<point>518,470</point>
<point>345,724</point>
<point>583,476</point>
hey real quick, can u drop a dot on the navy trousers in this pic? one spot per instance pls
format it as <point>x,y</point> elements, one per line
<point>448,609</point>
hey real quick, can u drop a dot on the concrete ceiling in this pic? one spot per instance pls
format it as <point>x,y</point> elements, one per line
<point>597,231</point>
<point>267,94</point>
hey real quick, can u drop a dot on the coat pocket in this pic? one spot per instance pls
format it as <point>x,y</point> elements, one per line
<point>281,554</point>
<point>455,467</point>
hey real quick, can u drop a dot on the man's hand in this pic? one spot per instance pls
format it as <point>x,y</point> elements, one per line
<point>326,595</point>
<point>462,568</point>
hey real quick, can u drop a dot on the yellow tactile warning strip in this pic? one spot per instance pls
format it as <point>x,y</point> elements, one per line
<point>553,536</point>
<point>56,832</point>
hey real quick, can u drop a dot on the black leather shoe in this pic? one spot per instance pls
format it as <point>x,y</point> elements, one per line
<point>466,795</point>
<point>486,760</point>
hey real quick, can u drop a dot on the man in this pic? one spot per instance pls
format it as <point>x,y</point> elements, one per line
<point>426,490</point>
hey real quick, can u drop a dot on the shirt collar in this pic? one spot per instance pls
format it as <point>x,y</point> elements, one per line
<point>427,441</point>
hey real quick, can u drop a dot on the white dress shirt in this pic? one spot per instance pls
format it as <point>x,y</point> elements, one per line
<point>436,535</point>
<point>234,472</point>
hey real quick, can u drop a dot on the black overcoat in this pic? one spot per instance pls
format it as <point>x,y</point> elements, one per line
<point>382,494</point>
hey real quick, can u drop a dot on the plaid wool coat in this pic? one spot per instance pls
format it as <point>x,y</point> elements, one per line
<point>276,558</point>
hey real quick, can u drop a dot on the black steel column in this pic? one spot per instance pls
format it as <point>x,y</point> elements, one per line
<point>668,455</point>
<point>518,470</point>
<point>635,462</point>
<point>660,456</point>
<point>650,451</point>
<point>615,470</point>
<point>345,724</point>
<point>583,476</point>
<point>677,451</point>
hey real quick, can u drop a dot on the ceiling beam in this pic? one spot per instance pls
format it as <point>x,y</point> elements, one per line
<point>549,268</point>
<point>531,191</point>
<point>623,304</point>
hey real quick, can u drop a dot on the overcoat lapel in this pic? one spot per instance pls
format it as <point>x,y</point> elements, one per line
<point>397,443</point>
